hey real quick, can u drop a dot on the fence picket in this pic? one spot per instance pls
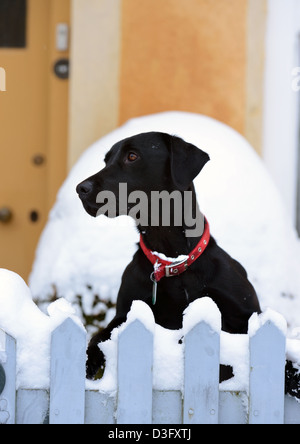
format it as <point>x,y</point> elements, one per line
<point>201,375</point>
<point>267,374</point>
<point>202,327</point>
<point>8,385</point>
<point>135,360</point>
<point>67,380</point>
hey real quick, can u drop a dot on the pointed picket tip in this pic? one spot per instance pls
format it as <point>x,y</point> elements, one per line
<point>257,322</point>
<point>203,310</point>
<point>134,328</point>
<point>69,325</point>
<point>141,311</point>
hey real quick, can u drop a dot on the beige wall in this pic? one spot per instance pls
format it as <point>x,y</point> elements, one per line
<point>256,32</point>
<point>94,90</point>
<point>135,57</point>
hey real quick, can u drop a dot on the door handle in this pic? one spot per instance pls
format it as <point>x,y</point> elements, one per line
<point>5,215</point>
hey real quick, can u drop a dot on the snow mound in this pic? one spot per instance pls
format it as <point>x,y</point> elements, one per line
<point>82,259</point>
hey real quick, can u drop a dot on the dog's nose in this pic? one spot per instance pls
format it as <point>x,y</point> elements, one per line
<point>84,188</point>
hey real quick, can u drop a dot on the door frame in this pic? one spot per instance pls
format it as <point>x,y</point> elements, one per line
<point>58,104</point>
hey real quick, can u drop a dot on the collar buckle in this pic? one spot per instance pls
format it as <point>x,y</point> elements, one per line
<point>173,269</point>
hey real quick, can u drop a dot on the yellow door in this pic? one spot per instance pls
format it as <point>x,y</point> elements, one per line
<point>33,122</point>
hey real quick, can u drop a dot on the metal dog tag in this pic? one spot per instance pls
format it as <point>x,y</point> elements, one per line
<point>154,288</point>
<point>154,292</point>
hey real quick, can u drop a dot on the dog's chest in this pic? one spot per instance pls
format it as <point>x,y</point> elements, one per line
<point>171,299</point>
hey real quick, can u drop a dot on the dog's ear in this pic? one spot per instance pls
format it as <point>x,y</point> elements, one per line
<point>186,162</point>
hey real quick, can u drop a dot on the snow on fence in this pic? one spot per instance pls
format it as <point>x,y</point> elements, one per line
<point>135,402</point>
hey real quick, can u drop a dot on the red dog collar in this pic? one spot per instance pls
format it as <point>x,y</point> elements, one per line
<point>164,268</point>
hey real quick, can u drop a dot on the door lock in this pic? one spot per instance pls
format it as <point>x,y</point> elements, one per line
<point>62,68</point>
<point>5,215</point>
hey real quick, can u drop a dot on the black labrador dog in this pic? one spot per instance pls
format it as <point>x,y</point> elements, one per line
<point>158,162</point>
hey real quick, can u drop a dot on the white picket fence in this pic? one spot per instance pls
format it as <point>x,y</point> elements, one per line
<point>68,402</point>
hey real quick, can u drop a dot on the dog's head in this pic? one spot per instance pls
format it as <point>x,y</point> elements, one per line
<point>146,162</point>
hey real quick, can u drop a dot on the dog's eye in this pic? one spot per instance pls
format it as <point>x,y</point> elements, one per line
<point>131,157</point>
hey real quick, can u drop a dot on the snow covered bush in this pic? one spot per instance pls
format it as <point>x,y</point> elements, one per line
<point>82,259</point>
